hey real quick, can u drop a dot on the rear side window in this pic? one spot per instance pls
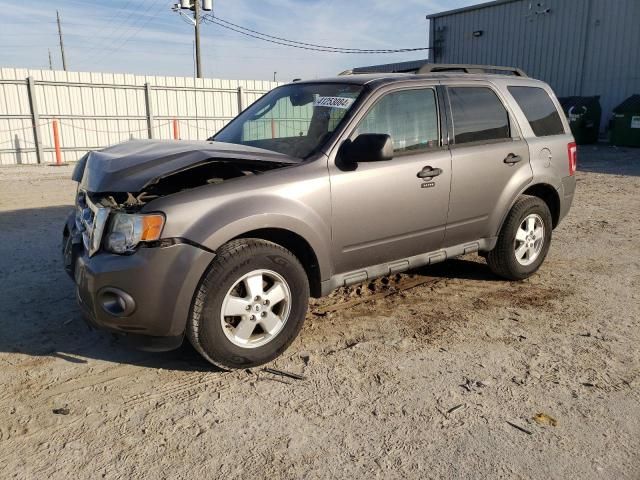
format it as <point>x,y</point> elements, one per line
<point>478,115</point>
<point>410,117</point>
<point>539,110</point>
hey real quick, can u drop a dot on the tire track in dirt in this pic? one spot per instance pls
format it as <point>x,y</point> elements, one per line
<point>349,297</point>
<point>178,390</point>
<point>12,444</point>
<point>186,387</point>
<point>100,378</point>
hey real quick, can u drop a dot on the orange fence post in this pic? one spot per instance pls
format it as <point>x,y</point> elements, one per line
<point>56,142</point>
<point>176,130</point>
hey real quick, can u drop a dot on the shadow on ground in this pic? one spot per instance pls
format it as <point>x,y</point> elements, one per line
<point>602,158</point>
<point>38,312</point>
<point>460,268</point>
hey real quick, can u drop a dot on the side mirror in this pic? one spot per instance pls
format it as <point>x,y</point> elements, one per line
<point>367,147</point>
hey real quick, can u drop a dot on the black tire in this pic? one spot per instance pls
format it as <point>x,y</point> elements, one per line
<point>502,259</point>
<point>233,260</point>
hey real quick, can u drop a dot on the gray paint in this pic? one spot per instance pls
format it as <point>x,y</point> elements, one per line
<point>176,269</point>
<point>580,47</point>
<point>328,211</point>
<point>360,223</point>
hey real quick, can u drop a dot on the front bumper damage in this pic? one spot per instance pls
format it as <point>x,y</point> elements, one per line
<point>146,295</point>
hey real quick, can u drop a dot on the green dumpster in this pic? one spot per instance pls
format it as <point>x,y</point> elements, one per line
<point>625,124</point>
<point>584,115</point>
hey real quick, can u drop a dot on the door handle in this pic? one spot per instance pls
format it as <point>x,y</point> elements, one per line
<point>512,158</point>
<point>429,172</point>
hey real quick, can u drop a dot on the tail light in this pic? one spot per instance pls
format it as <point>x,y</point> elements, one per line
<point>573,157</point>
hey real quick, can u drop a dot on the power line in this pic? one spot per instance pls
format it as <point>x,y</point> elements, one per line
<point>318,49</point>
<point>296,44</point>
<point>30,22</point>
<point>126,36</point>
<point>117,21</point>
<point>292,41</point>
<point>120,28</point>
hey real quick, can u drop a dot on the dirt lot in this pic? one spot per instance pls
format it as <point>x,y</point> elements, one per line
<point>435,374</point>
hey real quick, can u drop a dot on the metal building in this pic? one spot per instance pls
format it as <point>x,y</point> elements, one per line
<point>410,66</point>
<point>579,47</point>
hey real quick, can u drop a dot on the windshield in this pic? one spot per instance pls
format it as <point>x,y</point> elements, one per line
<point>294,119</point>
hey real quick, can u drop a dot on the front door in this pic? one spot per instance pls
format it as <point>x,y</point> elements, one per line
<point>382,211</point>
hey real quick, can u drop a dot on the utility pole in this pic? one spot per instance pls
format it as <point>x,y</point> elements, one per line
<point>197,6</point>
<point>196,18</point>
<point>64,62</point>
<point>274,76</point>
<point>50,62</point>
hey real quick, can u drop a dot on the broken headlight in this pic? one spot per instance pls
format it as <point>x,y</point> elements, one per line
<point>127,230</point>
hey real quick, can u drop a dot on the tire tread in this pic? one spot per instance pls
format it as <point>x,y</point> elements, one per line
<point>223,256</point>
<point>498,259</point>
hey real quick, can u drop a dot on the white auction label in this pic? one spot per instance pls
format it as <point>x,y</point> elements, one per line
<point>334,102</point>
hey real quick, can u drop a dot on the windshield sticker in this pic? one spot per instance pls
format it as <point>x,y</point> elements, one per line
<point>333,102</point>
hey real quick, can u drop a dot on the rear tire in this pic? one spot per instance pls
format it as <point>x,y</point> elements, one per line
<point>250,305</point>
<point>524,240</point>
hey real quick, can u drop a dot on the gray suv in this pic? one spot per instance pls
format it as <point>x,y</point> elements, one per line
<point>317,185</point>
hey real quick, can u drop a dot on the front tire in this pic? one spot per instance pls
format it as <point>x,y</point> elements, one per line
<point>250,305</point>
<point>524,240</point>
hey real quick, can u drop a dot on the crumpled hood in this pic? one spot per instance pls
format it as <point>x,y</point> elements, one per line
<point>132,165</point>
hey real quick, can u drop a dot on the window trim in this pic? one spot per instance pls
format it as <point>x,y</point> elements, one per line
<point>442,143</point>
<point>514,128</point>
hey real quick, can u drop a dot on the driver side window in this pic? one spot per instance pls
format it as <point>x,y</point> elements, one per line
<point>410,117</point>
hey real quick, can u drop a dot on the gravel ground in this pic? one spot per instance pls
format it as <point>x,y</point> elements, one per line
<point>435,374</point>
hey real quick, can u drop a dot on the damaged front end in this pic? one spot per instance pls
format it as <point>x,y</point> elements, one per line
<point>116,183</point>
<point>90,221</point>
<point>129,277</point>
<point>138,165</point>
<point>116,223</point>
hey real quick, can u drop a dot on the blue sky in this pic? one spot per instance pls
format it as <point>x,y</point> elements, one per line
<point>146,37</point>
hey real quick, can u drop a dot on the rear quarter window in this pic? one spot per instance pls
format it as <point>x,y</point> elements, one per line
<point>539,109</point>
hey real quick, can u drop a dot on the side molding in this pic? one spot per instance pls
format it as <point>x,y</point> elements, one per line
<point>401,265</point>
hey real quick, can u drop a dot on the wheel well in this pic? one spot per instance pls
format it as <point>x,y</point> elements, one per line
<point>548,195</point>
<point>296,245</point>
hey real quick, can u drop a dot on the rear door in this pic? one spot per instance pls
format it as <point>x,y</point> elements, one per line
<point>490,161</point>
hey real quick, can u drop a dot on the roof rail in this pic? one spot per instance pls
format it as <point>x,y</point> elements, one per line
<point>453,67</point>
